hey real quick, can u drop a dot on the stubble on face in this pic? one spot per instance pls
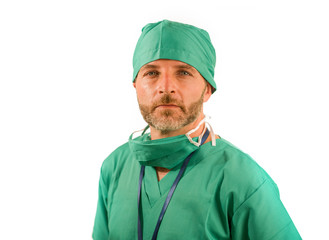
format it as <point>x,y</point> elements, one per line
<point>167,120</point>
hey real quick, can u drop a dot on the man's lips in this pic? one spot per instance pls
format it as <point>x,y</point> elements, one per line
<point>167,106</point>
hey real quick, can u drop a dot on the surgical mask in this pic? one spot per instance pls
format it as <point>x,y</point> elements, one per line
<point>166,152</point>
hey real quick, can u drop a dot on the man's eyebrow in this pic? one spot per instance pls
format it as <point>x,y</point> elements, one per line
<point>149,66</point>
<point>181,66</point>
<point>185,66</point>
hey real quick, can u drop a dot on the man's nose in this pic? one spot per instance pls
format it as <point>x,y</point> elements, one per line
<point>166,84</point>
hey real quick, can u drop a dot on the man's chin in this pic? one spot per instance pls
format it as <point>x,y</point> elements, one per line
<point>167,110</point>
<point>168,116</point>
<point>167,123</point>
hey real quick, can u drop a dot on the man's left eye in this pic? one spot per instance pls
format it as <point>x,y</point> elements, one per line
<point>184,73</point>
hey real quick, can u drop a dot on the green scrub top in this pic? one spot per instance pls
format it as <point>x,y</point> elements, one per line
<point>223,194</point>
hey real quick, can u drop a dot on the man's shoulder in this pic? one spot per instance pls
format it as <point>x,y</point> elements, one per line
<point>240,175</point>
<point>120,152</point>
<point>229,148</point>
<point>117,158</point>
<point>233,155</point>
<point>240,167</point>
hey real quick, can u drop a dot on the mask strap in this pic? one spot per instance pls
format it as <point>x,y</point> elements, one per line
<point>142,130</point>
<point>193,130</point>
<point>201,136</point>
<point>212,134</point>
<point>147,127</point>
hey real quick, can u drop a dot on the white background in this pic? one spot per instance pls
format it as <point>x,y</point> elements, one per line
<point>67,101</point>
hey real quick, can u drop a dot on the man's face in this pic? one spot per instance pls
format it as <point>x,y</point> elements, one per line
<point>170,94</point>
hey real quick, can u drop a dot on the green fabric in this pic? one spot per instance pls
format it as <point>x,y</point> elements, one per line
<point>222,195</point>
<point>176,41</point>
<point>165,152</point>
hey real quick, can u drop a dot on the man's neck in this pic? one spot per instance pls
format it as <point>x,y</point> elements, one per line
<point>157,134</point>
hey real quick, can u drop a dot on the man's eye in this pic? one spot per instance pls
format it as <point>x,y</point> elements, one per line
<point>184,73</point>
<point>151,73</point>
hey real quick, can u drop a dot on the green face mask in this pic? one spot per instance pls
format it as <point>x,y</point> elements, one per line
<point>165,152</point>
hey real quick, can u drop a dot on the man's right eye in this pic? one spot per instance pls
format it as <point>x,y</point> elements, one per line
<point>151,73</point>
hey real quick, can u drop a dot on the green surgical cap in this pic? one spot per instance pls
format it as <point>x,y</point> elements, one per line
<point>176,41</point>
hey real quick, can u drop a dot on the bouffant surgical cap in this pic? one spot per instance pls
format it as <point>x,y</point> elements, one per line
<point>176,41</point>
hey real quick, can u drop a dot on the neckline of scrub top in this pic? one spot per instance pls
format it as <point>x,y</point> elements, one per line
<point>155,190</point>
<point>169,195</point>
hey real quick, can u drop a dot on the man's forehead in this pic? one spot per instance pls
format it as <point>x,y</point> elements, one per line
<point>167,62</point>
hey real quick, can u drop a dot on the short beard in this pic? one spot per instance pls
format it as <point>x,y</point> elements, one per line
<point>170,120</point>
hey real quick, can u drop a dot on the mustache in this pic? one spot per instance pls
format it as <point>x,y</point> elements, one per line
<point>167,99</point>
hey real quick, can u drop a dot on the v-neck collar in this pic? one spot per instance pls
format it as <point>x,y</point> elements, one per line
<point>156,190</point>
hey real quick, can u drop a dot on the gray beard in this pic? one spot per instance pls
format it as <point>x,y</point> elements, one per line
<point>169,119</point>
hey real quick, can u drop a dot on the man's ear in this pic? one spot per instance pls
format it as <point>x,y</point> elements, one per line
<point>207,93</point>
<point>134,84</point>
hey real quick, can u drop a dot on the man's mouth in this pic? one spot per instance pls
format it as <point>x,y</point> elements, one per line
<point>167,106</point>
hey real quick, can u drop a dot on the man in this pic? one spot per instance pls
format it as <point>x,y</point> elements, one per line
<point>181,181</point>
